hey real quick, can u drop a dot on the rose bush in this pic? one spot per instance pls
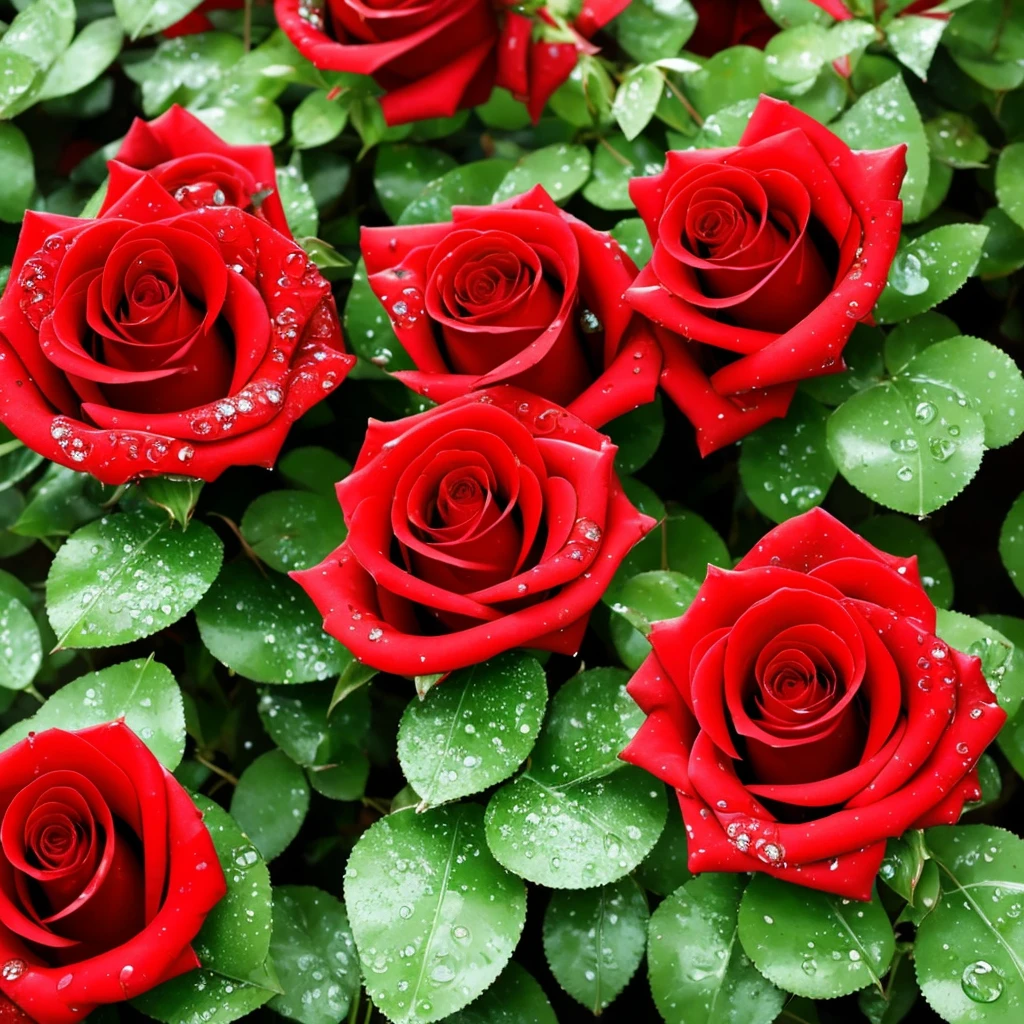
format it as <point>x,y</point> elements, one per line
<point>515,293</point>
<point>155,340</point>
<point>766,255</point>
<point>493,521</point>
<point>107,872</point>
<point>805,711</point>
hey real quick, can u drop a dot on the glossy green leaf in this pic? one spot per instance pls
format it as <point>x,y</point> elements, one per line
<point>297,198</point>
<point>665,868</point>
<point>146,17</point>
<point>636,99</point>
<point>314,469</point>
<point>293,529</point>
<point>41,31</point>
<point>631,234</point>
<point>93,50</point>
<point>785,466</point>
<point>911,337</point>
<point>17,460</point>
<point>864,367</point>
<point>142,692</point>
<point>17,170</point>
<point>1011,543</point>
<point>594,940</point>
<point>904,863</point>
<point>435,917</point>
<point>19,76</point>
<point>60,502</point>
<point>21,649</point>
<point>467,185</point>
<point>474,730</point>
<point>929,269</point>
<point>898,998</point>
<point>644,599</point>
<point>699,973</point>
<point>887,116</point>
<point>637,434</point>
<point>514,998</point>
<point>562,169</point>
<point>731,75</point>
<point>314,956</point>
<point>127,576</point>
<point>266,628</point>
<point>1003,251</point>
<point>914,40</point>
<point>270,802</point>
<point>967,951</point>
<point>176,495</point>
<point>402,171</point>
<point>317,120</point>
<point>650,29</point>
<point>616,162</point>
<point>956,140</point>
<point>1010,182</point>
<point>368,329</point>
<point>778,922</point>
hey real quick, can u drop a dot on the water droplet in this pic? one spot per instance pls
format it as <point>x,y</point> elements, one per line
<point>981,982</point>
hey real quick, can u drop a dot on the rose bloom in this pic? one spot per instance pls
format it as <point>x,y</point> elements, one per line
<point>493,521</point>
<point>431,57</point>
<point>766,255</point>
<point>537,54</point>
<point>725,23</point>
<point>197,167</point>
<point>157,340</point>
<point>805,711</point>
<point>106,873</point>
<point>519,293</point>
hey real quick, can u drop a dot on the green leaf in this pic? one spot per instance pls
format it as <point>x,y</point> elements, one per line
<point>1001,661</point>
<point>307,728</point>
<point>176,495</point>
<point>630,233</point>
<point>797,54</point>
<point>1011,543</point>
<point>94,49</point>
<point>594,940</point>
<point>900,994</point>
<point>17,171</point>
<point>929,269</point>
<point>637,434</point>
<point>250,121</point>
<point>786,13</point>
<point>60,502</point>
<point>293,529</point>
<point>726,126</point>
<point>297,199</point>
<point>642,600</point>
<point>1011,743</point>
<point>905,537</point>
<point>21,649</point>
<point>616,161</point>
<point>907,444</point>
<point>18,78</point>
<point>967,951</point>
<point>314,956</point>
<point>266,629</point>
<point>785,466</point>
<point>664,869</point>
<point>503,111</point>
<point>345,778</point>
<point>270,802</point>
<point>913,336</point>
<point>1003,251</point>
<point>146,17</point>
<point>515,998</point>
<point>313,469</point>
<point>562,169</point>
<point>914,40</point>
<point>578,817</point>
<point>17,462</point>
<point>233,943</point>
<point>127,576</point>
<point>1010,182</point>
<point>983,376</point>
<point>317,120</point>
<point>142,692</point>
<point>403,171</point>
<point>41,31</point>
<point>887,116</point>
<point>467,185</point>
<point>778,922</point>
<point>435,917</point>
<point>738,73</point>
<point>698,971</point>
<point>904,863</point>
<point>636,99</point>
<point>863,358</point>
<point>955,140</point>
<point>473,731</point>
<point>650,29</point>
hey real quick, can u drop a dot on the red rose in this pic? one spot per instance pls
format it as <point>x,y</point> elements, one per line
<point>766,255</point>
<point>805,711</point>
<point>537,54</point>
<point>155,340</point>
<point>491,522</point>
<point>725,23</point>
<point>106,872</point>
<point>519,293</point>
<point>197,167</point>
<point>431,57</point>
